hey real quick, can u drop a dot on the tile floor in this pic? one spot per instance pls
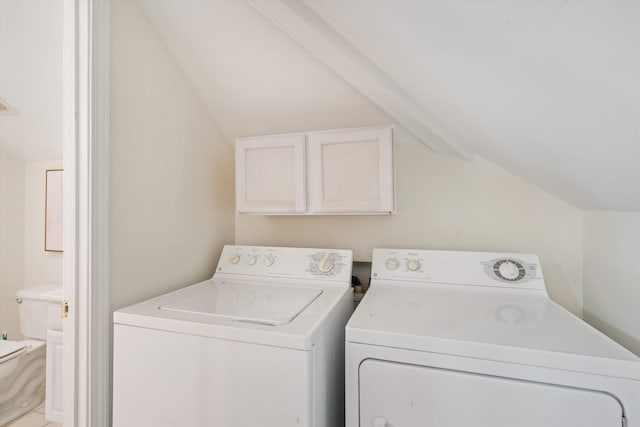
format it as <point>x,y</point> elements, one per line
<point>34,418</point>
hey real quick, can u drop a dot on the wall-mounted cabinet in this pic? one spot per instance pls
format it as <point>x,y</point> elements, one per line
<point>346,171</point>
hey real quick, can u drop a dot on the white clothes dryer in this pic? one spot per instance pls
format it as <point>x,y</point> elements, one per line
<point>259,344</point>
<point>465,339</point>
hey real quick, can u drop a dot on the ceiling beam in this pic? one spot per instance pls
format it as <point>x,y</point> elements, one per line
<point>309,30</point>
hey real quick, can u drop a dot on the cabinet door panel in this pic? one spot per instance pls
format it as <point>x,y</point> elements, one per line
<point>351,171</point>
<point>54,381</point>
<point>270,174</point>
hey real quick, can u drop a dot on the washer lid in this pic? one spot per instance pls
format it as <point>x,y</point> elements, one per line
<point>8,349</point>
<point>243,302</point>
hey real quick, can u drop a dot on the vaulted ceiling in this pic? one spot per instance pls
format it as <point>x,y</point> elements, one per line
<point>31,78</point>
<point>548,90</point>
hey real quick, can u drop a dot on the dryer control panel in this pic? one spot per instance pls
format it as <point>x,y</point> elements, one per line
<point>504,270</point>
<point>301,263</point>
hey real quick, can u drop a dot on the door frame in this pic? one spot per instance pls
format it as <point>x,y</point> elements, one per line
<point>86,213</point>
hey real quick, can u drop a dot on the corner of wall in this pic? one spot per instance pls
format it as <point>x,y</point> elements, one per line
<point>12,240</point>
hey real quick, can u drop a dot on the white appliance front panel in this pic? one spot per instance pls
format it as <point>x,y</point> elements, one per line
<point>247,302</point>
<point>402,395</point>
<point>487,269</point>
<point>331,266</point>
<point>166,379</point>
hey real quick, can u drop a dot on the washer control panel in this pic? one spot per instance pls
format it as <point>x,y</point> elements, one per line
<point>458,267</point>
<point>304,263</point>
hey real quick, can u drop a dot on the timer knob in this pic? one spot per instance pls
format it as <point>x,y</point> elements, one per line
<point>509,270</point>
<point>413,265</point>
<point>392,264</point>
<point>234,259</point>
<point>325,264</point>
<point>269,260</point>
<point>252,259</point>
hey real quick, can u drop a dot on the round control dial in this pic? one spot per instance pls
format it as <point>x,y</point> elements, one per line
<point>234,259</point>
<point>413,265</point>
<point>392,264</point>
<point>325,264</point>
<point>252,259</point>
<point>269,260</point>
<point>510,270</point>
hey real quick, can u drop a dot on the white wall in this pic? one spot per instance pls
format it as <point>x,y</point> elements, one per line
<point>40,267</point>
<point>171,177</point>
<point>612,275</point>
<point>31,78</point>
<point>448,203</point>
<point>12,175</point>
<point>171,194</point>
<point>23,260</point>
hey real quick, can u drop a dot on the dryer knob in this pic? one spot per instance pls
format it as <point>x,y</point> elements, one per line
<point>413,265</point>
<point>269,260</point>
<point>509,270</point>
<point>252,259</point>
<point>234,259</point>
<point>392,264</point>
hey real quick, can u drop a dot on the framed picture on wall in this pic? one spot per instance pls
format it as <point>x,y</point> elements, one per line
<point>53,211</point>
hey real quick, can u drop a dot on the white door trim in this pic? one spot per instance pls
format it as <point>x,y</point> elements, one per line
<point>86,203</point>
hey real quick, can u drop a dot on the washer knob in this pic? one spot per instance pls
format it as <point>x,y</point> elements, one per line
<point>413,265</point>
<point>234,259</point>
<point>392,264</point>
<point>252,259</point>
<point>325,264</point>
<point>269,260</point>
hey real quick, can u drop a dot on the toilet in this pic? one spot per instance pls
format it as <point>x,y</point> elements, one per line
<point>23,363</point>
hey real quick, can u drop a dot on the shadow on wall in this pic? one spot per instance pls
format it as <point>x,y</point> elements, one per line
<point>561,291</point>
<point>628,341</point>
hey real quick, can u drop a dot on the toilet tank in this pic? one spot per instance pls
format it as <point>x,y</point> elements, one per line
<point>33,306</point>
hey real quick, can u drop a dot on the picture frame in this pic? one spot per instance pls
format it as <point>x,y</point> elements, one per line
<point>53,211</point>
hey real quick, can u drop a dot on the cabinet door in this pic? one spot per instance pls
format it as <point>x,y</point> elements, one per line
<point>351,171</point>
<point>270,176</point>
<point>53,404</point>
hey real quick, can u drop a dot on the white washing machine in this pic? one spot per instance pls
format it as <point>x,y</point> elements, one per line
<point>260,344</point>
<point>465,339</point>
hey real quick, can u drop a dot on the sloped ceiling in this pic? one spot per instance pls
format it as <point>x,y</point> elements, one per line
<point>252,78</point>
<point>31,78</point>
<point>548,90</point>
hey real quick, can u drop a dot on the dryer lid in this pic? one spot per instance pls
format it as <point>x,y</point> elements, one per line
<point>264,304</point>
<point>8,349</point>
<point>517,327</point>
